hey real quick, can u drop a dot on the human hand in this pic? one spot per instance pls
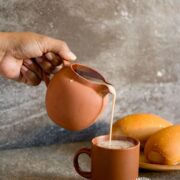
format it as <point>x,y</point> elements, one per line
<point>25,55</point>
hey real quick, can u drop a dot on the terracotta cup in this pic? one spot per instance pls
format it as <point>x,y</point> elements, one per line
<point>110,164</point>
<point>73,101</point>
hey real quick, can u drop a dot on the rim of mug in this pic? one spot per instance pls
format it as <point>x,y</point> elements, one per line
<point>117,137</point>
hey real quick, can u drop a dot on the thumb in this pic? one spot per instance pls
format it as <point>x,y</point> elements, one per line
<point>61,48</point>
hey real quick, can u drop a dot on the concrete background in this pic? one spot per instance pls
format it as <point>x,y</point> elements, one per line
<point>134,43</point>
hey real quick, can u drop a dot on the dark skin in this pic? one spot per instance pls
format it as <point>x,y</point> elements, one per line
<point>25,56</point>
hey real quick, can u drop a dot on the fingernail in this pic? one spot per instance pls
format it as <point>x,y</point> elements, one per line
<point>29,62</point>
<point>49,56</point>
<point>72,56</point>
<point>24,69</point>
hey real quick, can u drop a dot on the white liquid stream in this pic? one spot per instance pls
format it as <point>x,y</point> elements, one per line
<point>113,92</point>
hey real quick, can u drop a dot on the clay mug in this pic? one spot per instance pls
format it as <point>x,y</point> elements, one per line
<point>110,164</point>
<point>75,96</point>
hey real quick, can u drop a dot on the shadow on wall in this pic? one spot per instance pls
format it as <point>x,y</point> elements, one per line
<point>52,134</point>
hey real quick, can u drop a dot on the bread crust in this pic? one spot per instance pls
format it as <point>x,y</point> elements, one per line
<point>140,126</point>
<point>163,147</point>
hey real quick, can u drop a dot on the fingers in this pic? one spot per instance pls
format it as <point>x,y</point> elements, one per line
<point>29,77</point>
<point>53,58</point>
<point>31,70</point>
<point>45,65</point>
<point>50,63</point>
<point>33,66</point>
<point>59,47</point>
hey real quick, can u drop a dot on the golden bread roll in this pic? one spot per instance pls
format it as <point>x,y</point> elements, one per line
<point>140,126</point>
<point>163,147</point>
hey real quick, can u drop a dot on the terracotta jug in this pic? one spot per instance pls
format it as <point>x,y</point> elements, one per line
<point>73,101</point>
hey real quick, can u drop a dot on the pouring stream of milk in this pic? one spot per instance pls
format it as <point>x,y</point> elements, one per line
<point>113,92</point>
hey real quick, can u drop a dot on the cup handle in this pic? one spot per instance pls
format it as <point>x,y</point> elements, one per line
<point>84,174</point>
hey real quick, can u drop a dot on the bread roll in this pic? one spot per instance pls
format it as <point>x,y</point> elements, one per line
<point>163,147</point>
<point>140,126</point>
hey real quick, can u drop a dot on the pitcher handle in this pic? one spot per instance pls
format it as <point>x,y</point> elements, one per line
<point>82,173</point>
<point>46,78</point>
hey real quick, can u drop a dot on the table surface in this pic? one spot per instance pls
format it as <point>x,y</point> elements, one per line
<point>55,162</point>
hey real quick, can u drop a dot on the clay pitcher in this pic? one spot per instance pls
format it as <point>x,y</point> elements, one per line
<point>76,96</point>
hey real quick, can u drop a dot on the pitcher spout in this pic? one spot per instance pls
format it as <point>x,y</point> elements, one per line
<point>107,88</point>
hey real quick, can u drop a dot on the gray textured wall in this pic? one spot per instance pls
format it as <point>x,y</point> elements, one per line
<point>134,43</point>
